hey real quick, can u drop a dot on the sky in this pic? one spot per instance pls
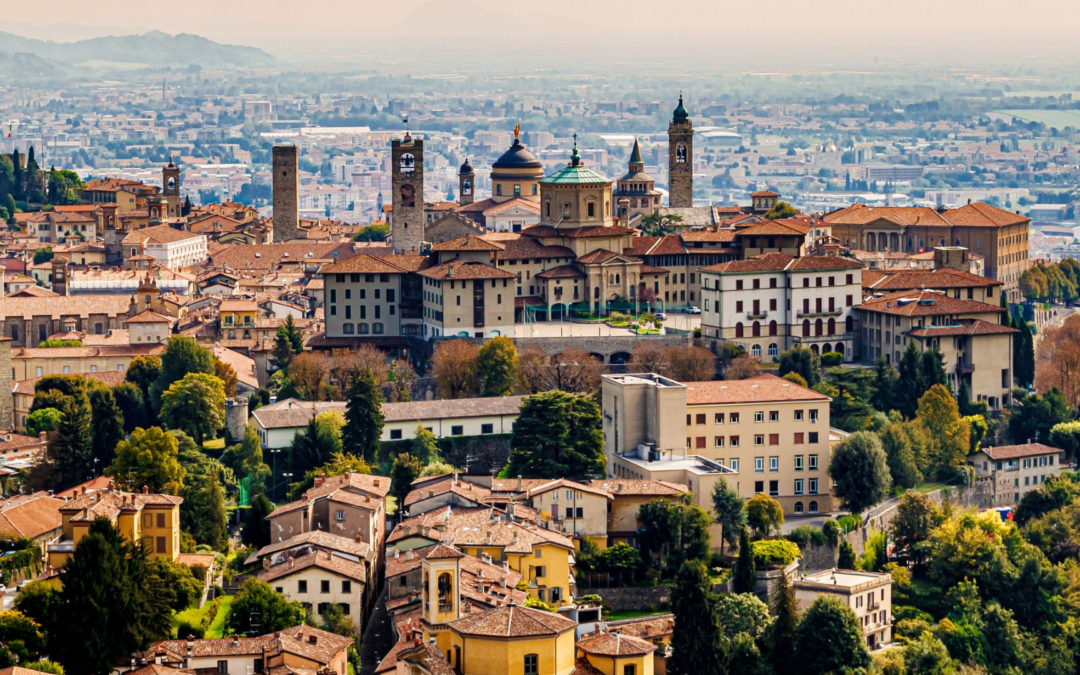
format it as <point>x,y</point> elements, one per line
<point>859,30</point>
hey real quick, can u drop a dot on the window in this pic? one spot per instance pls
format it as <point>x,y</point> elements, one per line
<point>161,520</point>
<point>340,516</point>
<point>774,464</point>
<point>487,428</point>
<point>813,437</point>
<point>629,669</point>
<point>798,486</point>
<point>798,507</point>
<point>813,489</point>
<point>813,417</point>
<point>759,439</point>
<point>774,487</point>
<point>734,441</point>
<point>159,545</point>
<point>395,434</point>
<point>301,586</point>
<point>759,465</point>
<point>699,419</point>
<point>719,441</point>
<point>223,667</point>
<point>346,586</point>
<point>734,464</point>
<point>798,462</point>
<point>774,415</point>
<point>798,415</point>
<point>699,442</point>
<point>774,439</point>
<point>719,418</point>
<point>798,438</point>
<point>734,417</point>
<point>759,416</point>
<point>324,586</point>
<point>457,430</point>
<point>813,462</point>
<point>759,486</point>
<point>532,664</point>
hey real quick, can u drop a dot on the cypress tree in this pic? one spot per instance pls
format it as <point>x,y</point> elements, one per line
<point>211,518</point>
<point>72,448</point>
<point>695,643</point>
<point>745,575</point>
<point>1025,356</point>
<point>108,424</point>
<point>846,560</point>
<point>911,385</point>
<point>781,636</point>
<point>363,417</point>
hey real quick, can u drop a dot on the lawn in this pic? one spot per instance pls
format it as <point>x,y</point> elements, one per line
<point>1058,119</point>
<point>616,616</point>
<point>214,444</point>
<point>925,488</point>
<point>195,615</point>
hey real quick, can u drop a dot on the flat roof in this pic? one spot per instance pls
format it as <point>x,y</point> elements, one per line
<point>843,580</point>
<point>692,463</point>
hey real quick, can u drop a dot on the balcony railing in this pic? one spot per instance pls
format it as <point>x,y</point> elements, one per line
<point>821,312</point>
<point>965,368</point>
<point>835,337</point>
<point>756,315</point>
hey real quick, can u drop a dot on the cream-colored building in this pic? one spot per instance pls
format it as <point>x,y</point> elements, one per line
<point>467,299</point>
<point>1015,469</point>
<point>868,594</point>
<point>366,297</point>
<point>774,302</point>
<point>975,346</point>
<point>772,435</point>
<point>577,510</point>
<point>171,248</point>
<point>320,579</point>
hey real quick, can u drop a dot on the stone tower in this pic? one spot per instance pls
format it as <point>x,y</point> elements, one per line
<point>466,184</point>
<point>170,190</point>
<point>407,217</point>
<point>680,158</point>
<point>286,186</point>
<point>7,398</point>
<point>236,416</point>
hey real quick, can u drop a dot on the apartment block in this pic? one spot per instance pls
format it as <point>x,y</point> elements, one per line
<point>1015,469</point>
<point>868,594</point>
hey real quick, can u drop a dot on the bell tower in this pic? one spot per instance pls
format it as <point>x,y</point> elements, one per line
<point>441,589</point>
<point>407,183</point>
<point>466,184</point>
<point>170,190</point>
<point>680,158</point>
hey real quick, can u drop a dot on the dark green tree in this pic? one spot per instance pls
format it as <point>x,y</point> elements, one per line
<point>672,533</point>
<point>71,449</point>
<point>860,471</point>
<point>910,383</point>
<point>406,469</point>
<point>1034,417</point>
<point>802,361</point>
<point>313,447</point>
<point>363,416</point>
<point>846,559</point>
<point>780,637</point>
<point>695,642</point>
<point>728,512</point>
<point>885,383</point>
<point>256,528</point>
<point>744,577</point>
<point>182,356</point>
<point>132,405</point>
<point>558,434</point>
<point>108,424</point>
<point>258,610</point>
<point>830,639</point>
<point>210,521</point>
<point>288,342</point>
<point>1024,355</point>
<point>109,606</point>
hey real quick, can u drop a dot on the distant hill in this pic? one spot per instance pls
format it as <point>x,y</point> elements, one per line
<point>152,49</point>
<point>26,66</point>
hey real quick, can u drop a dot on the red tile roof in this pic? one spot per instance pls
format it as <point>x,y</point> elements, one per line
<point>465,269</point>
<point>963,327</point>
<point>1019,451</point>
<point>760,389</point>
<point>925,303</point>
<point>513,621</point>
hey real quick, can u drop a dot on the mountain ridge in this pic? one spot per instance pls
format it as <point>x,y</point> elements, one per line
<point>153,48</point>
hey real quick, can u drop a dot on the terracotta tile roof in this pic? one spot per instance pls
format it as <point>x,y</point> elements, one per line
<point>409,262</point>
<point>861,214</point>
<point>621,487</point>
<point>824,262</point>
<point>148,669</point>
<point>640,246</point>
<point>523,247</point>
<point>269,256</point>
<point>760,389</point>
<point>18,442</point>
<point>980,214</point>
<point>517,485</point>
<point>513,621</point>
<point>614,644</point>
<point>649,269</point>
<point>925,303</point>
<point>770,229</point>
<point>441,552</point>
<point>324,560</point>
<point>65,305</point>
<point>149,316</point>
<point>1019,451</point>
<point>671,244</point>
<point>88,352</point>
<point>363,264</point>
<point>721,236</point>
<point>601,255</point>
<point>575,232</point>
<point>561,272</point>
<point>513,203</point>
<point>30,515</point>
<point>764,193</point>
<point>468,243</point>
<point>160,234</point>
<point>944,277</point>
<point>462,526</point>
<point>33,292</point>
<point>92,485</point>
<point>107,502</point>
<point>769,262</point>
<point>318,539</point>
<point>565,483</point>
<point>477,494</point>
<point>963,327</point>
<point>204,560</point>
<point>583,667</point>
<point>466,270</point>
<point>646,628</point>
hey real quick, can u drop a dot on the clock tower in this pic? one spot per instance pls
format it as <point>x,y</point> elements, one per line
<point>680,158</point>
<point>407,183</point>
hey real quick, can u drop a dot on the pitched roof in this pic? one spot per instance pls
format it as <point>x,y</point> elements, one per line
<point>566,483</point>
<point>925,303</point>
<point>30,515</point>
<point>760,389</point>
<point>364,264</point>
<point>149,316</point>
<point>65,305</point>
<point>943,277</point>
<point>324,560</point>
<point>975,214</point>
<point>602,255</point>
<point>477,494</point>
<point>316,538</point>
<point>468,243</point>
<point>561,272</point>
<point>160,234</point>
<point>623,487</point>
<point>525,247</point>
<point>961,328</point>
<point>512,621</point>
<point>481,526</point>
<point>614,644</point>
<point>465,269</point>
<point>1019,451</point>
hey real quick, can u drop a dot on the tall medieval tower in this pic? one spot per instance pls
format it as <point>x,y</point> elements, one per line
<point>170,190</point>
<point>680,158</point>
<point>407,217</point>
<point>466,184</point>
<point>286,184</point>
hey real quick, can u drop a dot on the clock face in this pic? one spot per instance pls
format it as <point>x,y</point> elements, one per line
<point>408,164</point>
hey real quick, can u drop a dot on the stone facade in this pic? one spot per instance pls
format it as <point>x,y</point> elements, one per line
<point>7,399</point>
<point>407,182</point>
<point>286,186</point>
<point>236,416</point>
<point>170,190</point>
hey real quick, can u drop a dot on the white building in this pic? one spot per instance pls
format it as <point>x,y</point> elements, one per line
<point>868,594</point>
<point>771,303</point>
<point>1015,469</point>
<point>171,248</point>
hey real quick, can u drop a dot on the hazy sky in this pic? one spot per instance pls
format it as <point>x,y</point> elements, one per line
<point>640,28</point>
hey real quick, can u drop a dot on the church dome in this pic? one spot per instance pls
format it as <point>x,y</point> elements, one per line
<point>466,168</point>
<point>680,113</point>
<point>517,157</point>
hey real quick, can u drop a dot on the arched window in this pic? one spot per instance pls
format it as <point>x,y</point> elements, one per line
<point>566,210</point>
<point>755,329</point>
<point>813,507</point>
<point>738,330</point>
<point>818,325</point>
<point>798,507</point>
<point>680,154</point>
<point>772,328</point>
<point>839,348</point>
<point>755,351</point>
<point>774,350</point>
<point>832,326</point>
<point>377,328</point>
<point>348,328</point>
<point>363,328</point>
<point>806,328</point>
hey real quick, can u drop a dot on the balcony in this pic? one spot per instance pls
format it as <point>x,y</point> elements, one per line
<point>756,315</point>
<point>965,368</point>
<point>824,312</point>
<point>835,337</point>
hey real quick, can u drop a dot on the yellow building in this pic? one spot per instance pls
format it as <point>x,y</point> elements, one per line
<point>153,518</point>
<point>613,653</point>
<point>627,498</point>
<point>542,556</point>
<point>238,313</point>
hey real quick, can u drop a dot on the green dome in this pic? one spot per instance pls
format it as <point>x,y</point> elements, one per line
<point>680,113</point>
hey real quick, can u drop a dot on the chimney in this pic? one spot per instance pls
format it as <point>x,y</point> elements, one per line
<point>266,562</point>
<point>519,483</point>
<point>408,555</point>
<point>145,490</point>
<point>377,482</point>
<point>290,563</point>
<point>397,554</point>
<point>359,538</point>
<point>41,436</point>
<point>319,480</point>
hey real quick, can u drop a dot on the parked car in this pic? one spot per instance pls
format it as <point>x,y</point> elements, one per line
<point>693,310</point>
<point>661,316</point>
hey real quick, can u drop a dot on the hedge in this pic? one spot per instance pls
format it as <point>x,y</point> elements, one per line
<point>770,552</point>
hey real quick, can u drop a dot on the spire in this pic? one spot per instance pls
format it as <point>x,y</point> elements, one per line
<point>635,155</point>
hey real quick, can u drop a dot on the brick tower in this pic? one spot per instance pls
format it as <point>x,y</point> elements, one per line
<point>680,158</point>
<point>407,218</point>
<point>286,186</point>
<point>170,190</point>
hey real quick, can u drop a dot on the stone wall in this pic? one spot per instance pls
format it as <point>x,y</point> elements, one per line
<point>633,598</point>
<point>7,398</point>
<point>603,346</point>
<point>816,558</point>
